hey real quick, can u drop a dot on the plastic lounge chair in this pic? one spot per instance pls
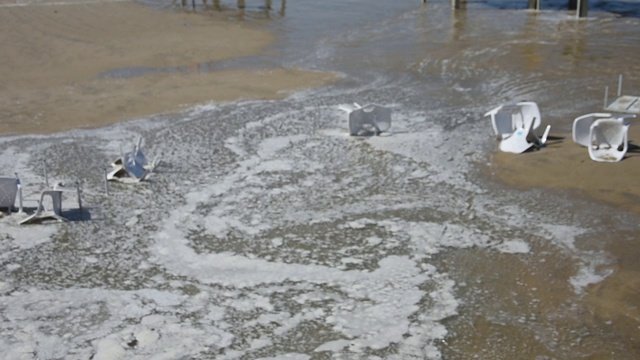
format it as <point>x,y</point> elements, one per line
<point>10,188</point>
<point>582,125</point>
<point>506,119</point>
<point>368,119</point>
<point>608,139</point>
<point>55,213</point>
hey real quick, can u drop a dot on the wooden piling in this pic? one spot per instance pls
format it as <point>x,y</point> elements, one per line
<point>583,8</point>
<point>534,4</point>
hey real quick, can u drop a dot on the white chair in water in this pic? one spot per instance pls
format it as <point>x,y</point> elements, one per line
<point>608,140</point>
<point>505,119</point>
<point>44,212</point>
<point>368,119</point>
<point>10,188</point>
<point>131,167</point>
<point>514,126</point>
<point>582,125</point>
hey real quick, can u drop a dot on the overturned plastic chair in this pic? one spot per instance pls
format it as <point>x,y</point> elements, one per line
<point>43,212</point>
<point>582,125</point>
<point>10,188</point>
<point>608,140</point>
<point>523,139</point>
<point>131,167</point>
<point>506,119</point>
<point>368,119</point>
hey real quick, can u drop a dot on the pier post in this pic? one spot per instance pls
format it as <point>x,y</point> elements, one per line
<point>455,4</point>
<point>534,4</point>
<point>583,8</point>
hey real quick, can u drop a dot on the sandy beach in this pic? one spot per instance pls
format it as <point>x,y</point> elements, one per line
<point>55,55</point>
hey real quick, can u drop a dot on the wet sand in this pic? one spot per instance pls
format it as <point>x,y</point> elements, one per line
<point>565,166</point>
<point>55,55</point>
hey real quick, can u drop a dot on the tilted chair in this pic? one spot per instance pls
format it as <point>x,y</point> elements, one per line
<point>506,119</point>
<point>131,167</point>
<point>368,119</point>
<point>55,212</point>
<point>582,125</point>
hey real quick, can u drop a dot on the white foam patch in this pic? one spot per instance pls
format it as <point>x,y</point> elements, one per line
<point>22,237</point>
<point>588,274</point>
<point>91,324</point>
<point>288,356</point>
<point>515,246</point>
<point>371,315</point>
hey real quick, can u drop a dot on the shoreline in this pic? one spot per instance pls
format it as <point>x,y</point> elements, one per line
<point>52,79</point>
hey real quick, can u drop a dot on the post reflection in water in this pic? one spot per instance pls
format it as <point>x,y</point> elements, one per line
<point>241,7</point>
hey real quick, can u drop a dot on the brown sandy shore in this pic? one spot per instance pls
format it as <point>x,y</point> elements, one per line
<point>53,55</point>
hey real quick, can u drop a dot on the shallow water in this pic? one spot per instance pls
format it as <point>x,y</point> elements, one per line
<point>268,232</point>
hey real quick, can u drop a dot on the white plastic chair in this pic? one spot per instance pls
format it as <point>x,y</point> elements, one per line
<point>522,139</point>
<point>10,188</point>
<point>506,119</point>
<point>582,125</point>
<point>131,167</point>
<point>608,140</point>
<point>368,119</point>
<point>55,212</point>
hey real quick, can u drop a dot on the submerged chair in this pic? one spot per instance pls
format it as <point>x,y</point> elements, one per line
<point>582,125</point>
<point>10,188</point>
<point>131,167</point>
<point>608,140</point>
<point>368,119</point>
<point>55,212</point>
<point>506,119</point>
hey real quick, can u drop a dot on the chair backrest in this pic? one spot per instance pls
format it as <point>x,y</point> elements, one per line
<point>582,127</point>
<point>8,191</point>
<point>529,113</point>
<point>133,167</point>
<point>502,121</point>
<point>505,119</point>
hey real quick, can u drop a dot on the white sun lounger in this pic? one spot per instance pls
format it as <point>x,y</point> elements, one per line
<point>608,140</point>
<point>582,125</point>
<point>368,119</point>
<point>43,212</point>
<point>10,188</point>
